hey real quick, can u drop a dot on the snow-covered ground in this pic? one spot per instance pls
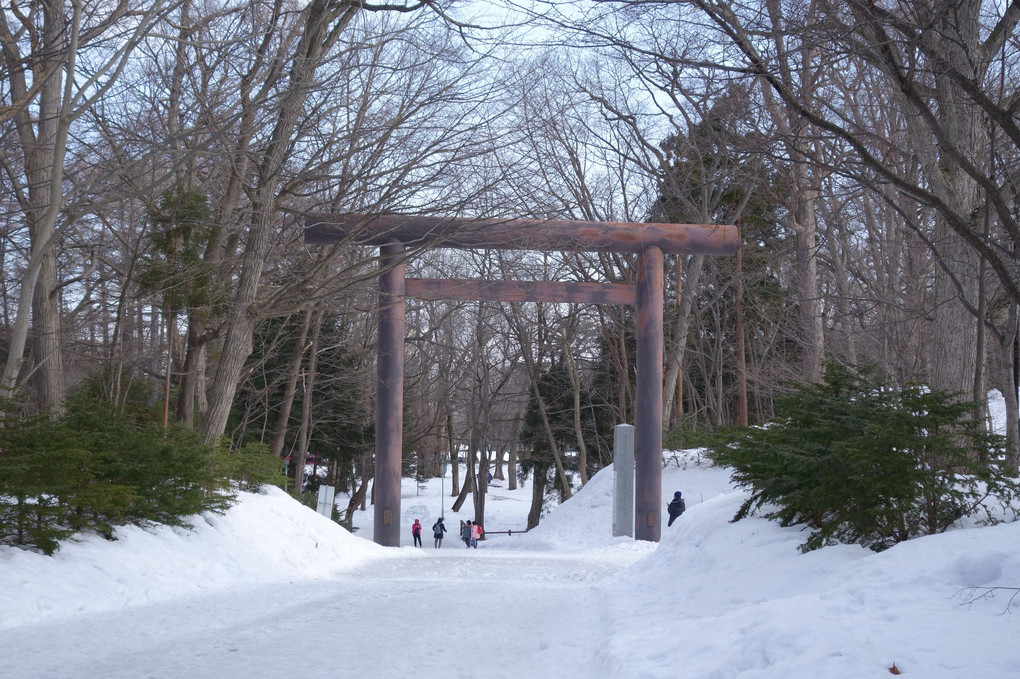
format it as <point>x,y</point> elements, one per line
<point>272,589</point>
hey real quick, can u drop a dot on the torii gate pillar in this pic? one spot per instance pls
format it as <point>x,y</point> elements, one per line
<point>648,398</point>
<point>389,407</point>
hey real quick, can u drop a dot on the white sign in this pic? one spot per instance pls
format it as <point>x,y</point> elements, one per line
<point>325,503</point>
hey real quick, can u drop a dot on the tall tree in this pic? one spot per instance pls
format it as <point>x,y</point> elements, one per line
<point>58,63</point>
<point>935,58</point>
<point>322,23</point>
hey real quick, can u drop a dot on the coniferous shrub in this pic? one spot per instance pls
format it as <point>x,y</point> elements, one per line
<point>251,466</point>
<point>96,468</point>
<point>37,475</point>
<point>859,461</point>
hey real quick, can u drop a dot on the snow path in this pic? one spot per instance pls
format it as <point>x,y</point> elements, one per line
<point>434,620</point>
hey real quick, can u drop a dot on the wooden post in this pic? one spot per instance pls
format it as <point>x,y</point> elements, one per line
<point>389,403</point>
<point>648,399</point>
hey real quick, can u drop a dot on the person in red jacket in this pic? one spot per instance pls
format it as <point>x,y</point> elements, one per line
<point>416,532</point>
<point>476,534</point>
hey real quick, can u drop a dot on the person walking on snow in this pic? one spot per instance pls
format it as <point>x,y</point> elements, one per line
<point>416,532</point>
<point>465,534</point>
<point>676,507</point>
<point>437,532</point>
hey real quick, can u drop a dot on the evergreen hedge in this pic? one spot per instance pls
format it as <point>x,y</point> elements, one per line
<point>94,469</point>
<point>857,460</point>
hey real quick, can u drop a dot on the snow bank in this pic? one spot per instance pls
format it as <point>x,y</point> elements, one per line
<point>265,537</point>
<point>739,599</point>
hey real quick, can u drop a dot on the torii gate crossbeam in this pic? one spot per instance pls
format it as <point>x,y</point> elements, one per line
<point>392,233</point>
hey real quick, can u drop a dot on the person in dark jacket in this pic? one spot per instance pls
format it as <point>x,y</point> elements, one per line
<point>437,532</point>
<point>465,534</point>
<point>676,507</point>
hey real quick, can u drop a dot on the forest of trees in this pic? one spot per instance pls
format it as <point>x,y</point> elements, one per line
<point>159,157</point>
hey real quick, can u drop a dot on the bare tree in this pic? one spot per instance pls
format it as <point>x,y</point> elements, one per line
<point>54,76</point>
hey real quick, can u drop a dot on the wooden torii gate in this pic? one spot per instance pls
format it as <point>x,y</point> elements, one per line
<point>395,233</point>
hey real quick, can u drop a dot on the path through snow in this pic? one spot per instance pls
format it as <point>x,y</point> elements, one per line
<point>453,612</point>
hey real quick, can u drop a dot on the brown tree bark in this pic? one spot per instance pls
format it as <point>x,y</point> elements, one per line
<point>290,385</point>
<point>538,485</point>
<point>305,431</point>
<point>323,23</point>
<point>738,330</point>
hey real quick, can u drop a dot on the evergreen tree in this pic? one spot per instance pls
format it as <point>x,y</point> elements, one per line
<point>342,428</point>
<point>858,460</point>
<point>97,467</point>
<point>713,173</point>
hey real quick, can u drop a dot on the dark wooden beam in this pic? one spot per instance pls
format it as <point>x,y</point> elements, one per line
<point>389,409</point>
<point>522,234</point>
<point>522,291</point>
<point>648,398</point>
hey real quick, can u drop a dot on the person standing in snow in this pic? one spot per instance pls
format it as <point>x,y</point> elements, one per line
<point>437,532</point>
<point>416,532</point>
<point>676,507</point>
<point>465,534</point>
<point>476,534</point>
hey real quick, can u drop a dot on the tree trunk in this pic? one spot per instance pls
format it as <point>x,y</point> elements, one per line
<point>538,484</point>
<point>192,386</point>
<point>468,483</point>
<point>42,132</point>
<point>955,357</point>
<point>498,466</point>
<point>305,432</point>
<point>691,278</point>
<point>358,496</point>
<point>481,485</point>
<point>551,438</point>
<point>803,187</point>
<point>290,386</point>
<point>511,464</point>
<point>741,353</point>
<point>1007,347</point>
<point>454,456</point>
<point>575,387</point>
<point>317,37</point>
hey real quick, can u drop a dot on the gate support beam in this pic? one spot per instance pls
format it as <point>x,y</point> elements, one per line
<point>583,292</point>
<point>389,399</point>
<point>648,399</point>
